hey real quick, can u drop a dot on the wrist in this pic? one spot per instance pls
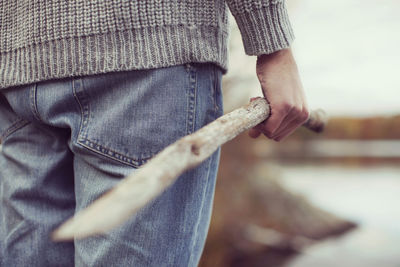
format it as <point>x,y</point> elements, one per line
<point>282,60</point>
<point>275,55</point>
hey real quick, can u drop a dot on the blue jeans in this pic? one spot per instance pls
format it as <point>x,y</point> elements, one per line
<point>66,142</point>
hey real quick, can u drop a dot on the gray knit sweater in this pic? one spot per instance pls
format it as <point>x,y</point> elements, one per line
<point>49,39</point>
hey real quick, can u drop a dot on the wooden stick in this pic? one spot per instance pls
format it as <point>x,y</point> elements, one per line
<point>149,181</point>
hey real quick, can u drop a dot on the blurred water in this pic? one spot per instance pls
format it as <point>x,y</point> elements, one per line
<point>383,150</point>
<point>368,196</point>
<point>354,148</point>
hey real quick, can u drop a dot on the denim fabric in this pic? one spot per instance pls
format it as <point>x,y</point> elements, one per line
<point>66,142</point>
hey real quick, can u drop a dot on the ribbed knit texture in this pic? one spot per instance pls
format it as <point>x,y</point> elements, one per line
<point>50,39</point>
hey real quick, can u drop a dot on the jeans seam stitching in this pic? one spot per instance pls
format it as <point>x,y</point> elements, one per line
<point>125,159</point>
<point>85,112</point>
<point>191,117</point>
<point>80,108</point>
<point>14,127</point>
<point>215,89</point>
<point>200,210</point>
<point>33,100</point>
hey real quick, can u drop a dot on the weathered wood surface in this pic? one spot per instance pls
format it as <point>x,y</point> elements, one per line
<point>139,188</point>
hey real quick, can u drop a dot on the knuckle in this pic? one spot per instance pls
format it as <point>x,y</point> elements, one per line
<point>306,114</point>
<point>284,107</point>
<point>268,136</point>
<point>297,109</point>
<point>302,115</point>
<point>268,132</point>
<point>287,106</point>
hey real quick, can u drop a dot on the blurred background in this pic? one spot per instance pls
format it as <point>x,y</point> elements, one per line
<point>326,199</point>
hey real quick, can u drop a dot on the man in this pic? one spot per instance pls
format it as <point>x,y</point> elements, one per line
<point>92,89</point>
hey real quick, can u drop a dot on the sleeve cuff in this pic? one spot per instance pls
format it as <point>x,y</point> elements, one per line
<point>265,30</point>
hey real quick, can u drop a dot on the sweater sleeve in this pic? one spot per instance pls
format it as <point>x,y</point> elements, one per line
<point>264,25</point>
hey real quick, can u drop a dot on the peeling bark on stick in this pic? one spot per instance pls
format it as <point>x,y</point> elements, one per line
<point>143,185</point>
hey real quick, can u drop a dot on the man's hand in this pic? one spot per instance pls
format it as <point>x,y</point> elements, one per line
<point>281,86</point>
